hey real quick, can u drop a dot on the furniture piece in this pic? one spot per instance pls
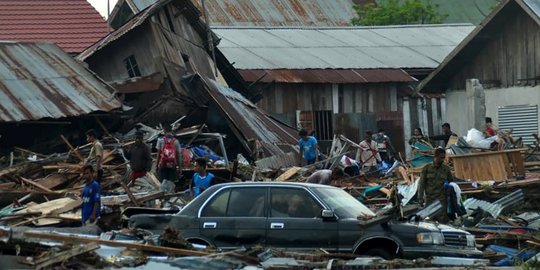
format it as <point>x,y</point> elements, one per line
<point>490,165</point>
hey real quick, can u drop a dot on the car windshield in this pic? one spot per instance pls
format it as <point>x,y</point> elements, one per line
<point>343,204</point>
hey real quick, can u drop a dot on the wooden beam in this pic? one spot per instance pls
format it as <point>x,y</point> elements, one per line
<point>72,148</point>
<point>102,126</point>
<point>111,243</point>
<point>64,255</point>
<point>36,185</point>
<point>288,174</point>
<point>130,195</point>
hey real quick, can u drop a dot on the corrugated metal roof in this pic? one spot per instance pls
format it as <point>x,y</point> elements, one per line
<point>418,46</point>
<point>534,5</point>
<point>326,75</point>
<point>244,116</point>
<point>270,13</point>
<point>39,80</point>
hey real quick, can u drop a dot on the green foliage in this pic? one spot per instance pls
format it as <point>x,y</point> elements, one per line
<point>398,12</point>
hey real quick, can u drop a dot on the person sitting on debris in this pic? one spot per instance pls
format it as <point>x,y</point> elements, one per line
<point>418,137</point>
<point>490,129</point>
<point>368,152</point>
<point>140,159</point>
<point>169,156</point>
<point>350,166</point>
<point>324,177</point>
<point>384,146</point>
<point>91,197</point>
<point>309,148</point>
<point>201,179</point>
<point>96,153</point>
<point>432,181</point>
<point>447,133</point>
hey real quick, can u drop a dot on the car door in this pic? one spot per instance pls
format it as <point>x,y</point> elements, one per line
<point>235,216</point>
<point>294,221</point>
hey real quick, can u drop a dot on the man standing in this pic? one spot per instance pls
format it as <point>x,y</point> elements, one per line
<point>447,133</point>
<point>96,153</point>
<point>201,179</point>
<point>368,152</point>
<point>91,197</point>
<point>140,159</point>
<point>432,181</point>
<point>384,146</point>
<point>309,148</point>
<point>169,156</point>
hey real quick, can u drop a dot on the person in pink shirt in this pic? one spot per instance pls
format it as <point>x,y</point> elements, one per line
<point>368,152</point>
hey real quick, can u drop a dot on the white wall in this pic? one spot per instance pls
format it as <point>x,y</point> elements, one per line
<point>457,111</point>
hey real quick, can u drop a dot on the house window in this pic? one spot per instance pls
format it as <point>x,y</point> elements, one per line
<point>323,125</point>
<point>131,67</point>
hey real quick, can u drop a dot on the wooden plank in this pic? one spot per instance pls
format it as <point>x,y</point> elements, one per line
<point>404,175</point>
<point>64,255</point>
<point>383,189</point>
<point>75,239</point>
<point>288,174</point>
<point>154,179</point>
<point>130,195</point>
<point>72,148</point>
<point>36,185</point>
<point>53,180</point>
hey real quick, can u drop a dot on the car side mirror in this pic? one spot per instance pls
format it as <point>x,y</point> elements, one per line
<point>327,214</point>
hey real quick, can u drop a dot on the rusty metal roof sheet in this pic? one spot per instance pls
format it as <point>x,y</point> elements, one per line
<point>413,46</point>
<point>326,75</point>
<point>268,13</point>
<point>39,80</point>
<point>243,116</point>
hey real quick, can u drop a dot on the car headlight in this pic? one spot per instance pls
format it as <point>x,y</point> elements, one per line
<point>471,242</point>
<point>432,238</point>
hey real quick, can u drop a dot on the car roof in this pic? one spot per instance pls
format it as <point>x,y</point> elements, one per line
<point>268,183</point>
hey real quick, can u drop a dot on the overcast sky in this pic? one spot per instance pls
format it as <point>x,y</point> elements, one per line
<point>101,6</point>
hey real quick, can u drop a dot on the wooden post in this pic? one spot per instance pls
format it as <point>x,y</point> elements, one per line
<point>130,195</point>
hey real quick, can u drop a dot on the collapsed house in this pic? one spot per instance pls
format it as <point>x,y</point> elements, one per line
<point>146,58</point>
<point>43,92</point>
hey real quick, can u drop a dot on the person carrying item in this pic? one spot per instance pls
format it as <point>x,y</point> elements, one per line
<point>309,148</point>
<point>432,183</point>
<point>91,197</point>
<point>169,156</point>
<point>418,137</point>
<point>368,152</point>
<point>96,153</point>
<point>201,179</point>
<point>384,146</point>
<point>447,133</point>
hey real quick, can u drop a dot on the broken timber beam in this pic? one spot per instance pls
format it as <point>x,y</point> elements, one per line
<point>64,255</point>
<point>130,195</point>
<point>36,185</point>
<point>72,148</point>
<point>111,243</point>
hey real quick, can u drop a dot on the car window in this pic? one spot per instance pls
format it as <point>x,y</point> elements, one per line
<point>293,202</point>
<point>217,207</point>
<point>343,204</point>
<point>247,202</point>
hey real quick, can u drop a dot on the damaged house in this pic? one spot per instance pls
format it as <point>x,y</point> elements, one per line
<point>494,72</point>
<point>145,60</point>
<point>44,92</point>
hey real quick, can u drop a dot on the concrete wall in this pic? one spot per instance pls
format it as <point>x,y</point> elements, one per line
<point>458,113</point>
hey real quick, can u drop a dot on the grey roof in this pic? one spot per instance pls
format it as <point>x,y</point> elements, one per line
<point>418,46</point>
<point>39,80</point>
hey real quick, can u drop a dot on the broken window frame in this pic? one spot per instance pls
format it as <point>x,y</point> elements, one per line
<point>131,66</point>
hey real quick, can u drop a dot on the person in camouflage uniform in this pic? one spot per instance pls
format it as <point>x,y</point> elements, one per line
<point>431,186</point>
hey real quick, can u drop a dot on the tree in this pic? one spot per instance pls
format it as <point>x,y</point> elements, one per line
<point>398,12</point>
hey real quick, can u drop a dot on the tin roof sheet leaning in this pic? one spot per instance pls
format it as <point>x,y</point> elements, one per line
<point>39,80</point>
<point>413,46</point>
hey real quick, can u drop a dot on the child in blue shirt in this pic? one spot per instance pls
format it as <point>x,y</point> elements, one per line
<point>201,179</point>
<point>309,148</point>
<point>91,197</point>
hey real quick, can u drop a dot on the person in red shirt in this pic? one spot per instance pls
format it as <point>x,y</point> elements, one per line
<point>490,130</point>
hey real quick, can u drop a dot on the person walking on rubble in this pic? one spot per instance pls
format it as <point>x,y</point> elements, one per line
<point>201,179</point>
<point>447,133</point>
<point>169,156</point>
<point>140,159</point>
<point>91,197</point>
<point>96,153</point>
<point>384,146</point>
<point>418,137</point>
<point>309,147</point>
<point>432,183</point>
<point>369,155</point>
